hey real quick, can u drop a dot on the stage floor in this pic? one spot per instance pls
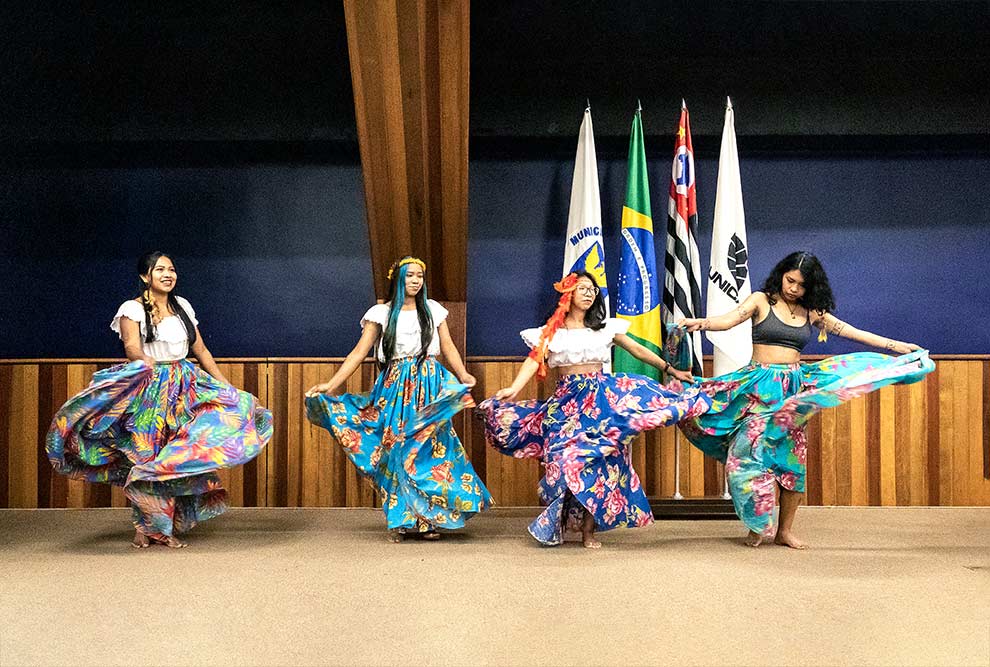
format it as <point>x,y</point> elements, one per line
<point>880,586</point>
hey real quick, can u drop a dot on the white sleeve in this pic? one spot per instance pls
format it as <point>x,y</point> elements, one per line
<point>132,310</point>
<point>616,325</point>
<point>377,314</point>
<point>531,336</point>
<point>186,306</point>
<point>439,312</point>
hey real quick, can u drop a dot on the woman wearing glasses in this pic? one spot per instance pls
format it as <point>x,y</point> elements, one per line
<point>583,432</point>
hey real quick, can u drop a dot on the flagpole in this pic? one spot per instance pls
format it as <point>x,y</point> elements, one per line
<point>677,465</point>
<point>725,489</point>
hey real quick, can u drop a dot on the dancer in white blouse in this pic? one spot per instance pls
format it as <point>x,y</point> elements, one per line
<point>584,431</point>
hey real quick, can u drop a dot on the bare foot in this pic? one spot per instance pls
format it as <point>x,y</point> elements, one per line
<point>140,541</point>
<point>172,542</point>
<point>394,536</point>
<point>754,539</point>
<point>588,532</point>
<point>788,540</point>
<point>590,542</point>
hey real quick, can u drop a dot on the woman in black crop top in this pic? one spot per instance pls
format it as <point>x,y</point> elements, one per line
<point>758,431</point>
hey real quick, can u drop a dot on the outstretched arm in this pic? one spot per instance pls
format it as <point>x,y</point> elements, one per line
<point>524,375</point>
<point>453,357</point>
<point>205,359</point>
<point>833,325</point>
<point>369,336</point>
<point>744,311</point>
<point>647,356</point>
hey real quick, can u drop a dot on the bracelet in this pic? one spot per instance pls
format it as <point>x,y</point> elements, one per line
<point>705,324</point>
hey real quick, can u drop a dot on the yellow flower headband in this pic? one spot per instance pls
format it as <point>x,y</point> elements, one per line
<point>403,262</point>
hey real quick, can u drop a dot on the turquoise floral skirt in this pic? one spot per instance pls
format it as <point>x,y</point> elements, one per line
<point>400,437</point>
<point>756,423</point>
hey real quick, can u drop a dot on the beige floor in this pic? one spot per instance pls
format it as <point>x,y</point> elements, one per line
<point>314,587</point>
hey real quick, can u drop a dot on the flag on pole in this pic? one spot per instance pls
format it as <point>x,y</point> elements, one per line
<point>584,249</point>
<point>682,285</point>
<point>728,279</point>
<point>638,293</point>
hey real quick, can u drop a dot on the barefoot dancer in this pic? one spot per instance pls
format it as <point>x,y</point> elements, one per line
<point>756,423</point>
<point>158,426</point>
<point>422,476</point>
<point>584,431</point>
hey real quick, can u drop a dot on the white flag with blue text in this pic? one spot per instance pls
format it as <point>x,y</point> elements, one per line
<point>584,249</point>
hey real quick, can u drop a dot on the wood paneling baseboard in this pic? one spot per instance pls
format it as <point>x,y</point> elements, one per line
<point>922,444</point>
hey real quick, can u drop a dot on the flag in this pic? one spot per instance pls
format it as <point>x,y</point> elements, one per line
<point>728,279</point>
<point>682,285</point>
<point>584,249</point>
<point>638,293</point>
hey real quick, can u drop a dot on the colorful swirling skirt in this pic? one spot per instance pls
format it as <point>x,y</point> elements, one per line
<point>418,466</point>
<point>583,435</point>
<point>756,423</point>
<point>161,432</point>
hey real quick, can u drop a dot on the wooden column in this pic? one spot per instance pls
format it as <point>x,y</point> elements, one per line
<point>410,71</point>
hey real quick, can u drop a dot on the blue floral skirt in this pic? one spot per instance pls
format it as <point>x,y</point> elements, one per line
<point>409,450</point>
<point>756,423</point>
<point>583,435</point>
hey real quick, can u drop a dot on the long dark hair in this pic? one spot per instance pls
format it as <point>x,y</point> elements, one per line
<point>397,288</point>
<point>144,266</point>
<point>817,291</point>
<point>594,317</point>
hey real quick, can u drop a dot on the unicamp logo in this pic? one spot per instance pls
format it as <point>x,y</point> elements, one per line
<point>737,262</point>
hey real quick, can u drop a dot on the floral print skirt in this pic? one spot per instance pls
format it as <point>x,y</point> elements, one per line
<point>583,435</point>
<point>756,423</point>
<point>161,432</point>
<point>401,438</point>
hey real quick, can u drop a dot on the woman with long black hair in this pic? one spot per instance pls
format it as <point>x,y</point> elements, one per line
<point>157,425</point>
<point>756,423</point>
<point>417,465</point>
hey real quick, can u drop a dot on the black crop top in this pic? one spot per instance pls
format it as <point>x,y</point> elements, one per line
<point>771,331</point>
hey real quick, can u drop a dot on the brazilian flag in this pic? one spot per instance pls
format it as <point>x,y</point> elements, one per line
<point>638,290</point>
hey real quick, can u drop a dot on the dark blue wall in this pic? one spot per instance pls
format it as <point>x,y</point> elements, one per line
<point>275,259</point>
<point>903,238</point>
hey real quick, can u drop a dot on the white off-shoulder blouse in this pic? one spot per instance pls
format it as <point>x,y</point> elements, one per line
<point>570,347</point>
<point>171,340</point>
<point>407,329</point>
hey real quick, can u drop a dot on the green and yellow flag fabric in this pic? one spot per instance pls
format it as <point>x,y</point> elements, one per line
<point>638,293</point>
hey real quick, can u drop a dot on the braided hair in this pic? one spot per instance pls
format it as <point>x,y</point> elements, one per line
<point>144,267</point>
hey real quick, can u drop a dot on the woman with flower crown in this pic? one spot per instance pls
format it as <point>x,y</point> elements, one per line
<point>157,425</point>
<point>583,432</point>
<point>417,464</point>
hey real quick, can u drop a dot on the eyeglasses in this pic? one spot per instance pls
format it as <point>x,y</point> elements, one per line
<point>588,291</point>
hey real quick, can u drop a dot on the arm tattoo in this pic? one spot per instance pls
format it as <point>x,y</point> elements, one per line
<point>838,327</point>
<point>743,313</point>
<point>889,345</point>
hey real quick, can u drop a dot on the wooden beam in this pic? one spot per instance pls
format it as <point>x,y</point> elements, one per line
<point>410,64</point>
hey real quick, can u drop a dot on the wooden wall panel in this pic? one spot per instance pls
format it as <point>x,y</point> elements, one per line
<point>923,444</point>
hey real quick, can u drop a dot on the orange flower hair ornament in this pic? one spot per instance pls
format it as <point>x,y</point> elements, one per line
<point>402,262</point>
<point>566,287</point>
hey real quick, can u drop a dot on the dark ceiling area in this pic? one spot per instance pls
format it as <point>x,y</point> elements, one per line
<point>278,73</point>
